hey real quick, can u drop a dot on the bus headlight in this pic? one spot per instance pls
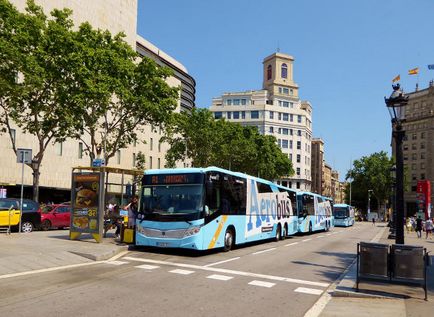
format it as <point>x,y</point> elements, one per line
<point>191,231</point>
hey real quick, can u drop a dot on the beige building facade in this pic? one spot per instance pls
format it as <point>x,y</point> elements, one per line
<point>317,165</point>
<point>115,16</point>
<point>418,144</point>
<point>275,110</point>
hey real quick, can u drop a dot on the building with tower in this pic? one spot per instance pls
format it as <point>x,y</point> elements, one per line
<point>275,110</point>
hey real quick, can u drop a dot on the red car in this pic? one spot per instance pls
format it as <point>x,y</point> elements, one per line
<point>55,216</point>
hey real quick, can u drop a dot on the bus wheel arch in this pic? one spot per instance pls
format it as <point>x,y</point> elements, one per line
<point>229,238</point>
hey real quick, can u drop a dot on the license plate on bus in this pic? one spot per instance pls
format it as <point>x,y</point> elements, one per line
<point>163,244</point>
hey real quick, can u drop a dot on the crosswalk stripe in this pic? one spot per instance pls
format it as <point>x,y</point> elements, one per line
<point>308,291</point>
<point>262,284</point>
<point>182,272</point>
<point>220,277</point>
<point>147,267</point>
<point>116,262</point>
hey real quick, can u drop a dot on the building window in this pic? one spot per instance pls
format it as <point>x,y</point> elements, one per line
<point>254,115</point>
<point>285,91</point>
<point>285,117</point>
<point>284,104</point>
<point>290,144</point>
<point>291,92</point>
<point>269,72</point>
<point>150,162</point>
<point>291,132</point>
<point>414,136</point>
<point>299,118</point>
<point>280,116</point>
<point>422,166</point>
<point>422,146</point>
<point>243,114</point>
<point>229,115</point>
<point>218,115</point>
<point>271,129</point>
<point>159,146</point>
<point>422,176</point>
<point>298,185</point>
<point>422,135</point>
<point>134,159</point>
<point>229,102</point>
<point>118,156</point>
<point>284,144</point>
<point>243,102</point>
<point>285,131</point>
<point>236,102</point>
<point>236,114</point>
<point>292,117</point>
<point>298,158</point>
<point>80,150</point>
<point>271,114</point>
<point>159,163</point>
<point>414,146</point>
<point>290,157</point>
<point>299,132</point>
<point>298,145</point>
<point>298,171</point>
<point>279,142</point>
<point>151,144</point>
<point>284,71</point>
<point>422,156</point>
<point>59,149</point>
<point>414,156</point>
<point>413,177</point>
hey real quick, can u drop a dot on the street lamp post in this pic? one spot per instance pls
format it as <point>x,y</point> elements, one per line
<point>392,221</point>
<point>369,201</point>
<point>395,104</point>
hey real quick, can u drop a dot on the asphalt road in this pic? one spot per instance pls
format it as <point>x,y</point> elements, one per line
<point>282,278</point>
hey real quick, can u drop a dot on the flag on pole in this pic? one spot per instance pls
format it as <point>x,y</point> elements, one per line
<point>431,66</point>
<point>397,78</point>
<point>414,71</point>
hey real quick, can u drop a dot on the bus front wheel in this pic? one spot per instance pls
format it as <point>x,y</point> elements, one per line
<point>229,239</point>
<point>278,233</point>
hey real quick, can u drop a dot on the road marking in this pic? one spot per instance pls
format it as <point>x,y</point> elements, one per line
<point>221,262</point>
<point>305,240</point>
<point>51,269</point>
<point>262,284</point>
<point>287,245</point>
<point>117,256</point>
<point>308,291</point>
<point>320,237</point>
<point>220,277</point>
<point>263,251</point>
<point>182,272</point>
<point>116,262</point>
<point>328,234</point>
<point>147,267</point>
<point>231,272</point>
<point>379,235</point>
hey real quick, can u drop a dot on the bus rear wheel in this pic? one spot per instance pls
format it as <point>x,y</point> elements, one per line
<point>229,240</point>
<point>278,233</point>
<point>310,227</point>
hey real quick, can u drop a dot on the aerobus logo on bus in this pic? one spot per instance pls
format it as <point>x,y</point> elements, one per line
<point>266,207</point>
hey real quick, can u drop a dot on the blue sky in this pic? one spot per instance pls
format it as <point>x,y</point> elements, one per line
<point>346,54</point>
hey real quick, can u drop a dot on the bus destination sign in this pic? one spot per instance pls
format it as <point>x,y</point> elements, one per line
<point>173,179</point>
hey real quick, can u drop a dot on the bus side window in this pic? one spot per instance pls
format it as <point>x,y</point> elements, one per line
<point>233,195</point>
<point>212,196</point>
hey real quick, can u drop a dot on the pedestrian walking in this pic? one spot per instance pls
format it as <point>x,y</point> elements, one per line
<point>428,228</point>
<point>419,224</point>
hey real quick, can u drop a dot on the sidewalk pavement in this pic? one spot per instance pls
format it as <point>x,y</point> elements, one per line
<point>383,299</point>
<point>22,252</point>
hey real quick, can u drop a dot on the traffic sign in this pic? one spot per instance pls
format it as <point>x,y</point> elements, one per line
<point>24,156</point>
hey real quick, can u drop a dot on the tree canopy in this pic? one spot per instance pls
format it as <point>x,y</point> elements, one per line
<point>205,141</point>
<point>371,173</point>
<point>59,82</point>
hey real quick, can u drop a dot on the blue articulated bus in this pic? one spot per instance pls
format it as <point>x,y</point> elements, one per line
<point>343,215</point>
<point>207,208</point>
<point>314,212</point>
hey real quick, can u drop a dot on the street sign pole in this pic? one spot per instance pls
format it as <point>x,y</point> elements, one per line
<point>23,156</point>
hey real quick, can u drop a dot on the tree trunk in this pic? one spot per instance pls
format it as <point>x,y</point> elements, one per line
<point>36,184</point>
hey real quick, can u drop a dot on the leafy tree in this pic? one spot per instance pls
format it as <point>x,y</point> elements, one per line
<point>118,94</point>
<point>371,173</point>
<point>33,76</point>
<point>205,141</point>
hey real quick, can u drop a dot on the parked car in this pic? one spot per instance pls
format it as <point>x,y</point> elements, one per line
<point>55,216</point>
<point>10,214</point>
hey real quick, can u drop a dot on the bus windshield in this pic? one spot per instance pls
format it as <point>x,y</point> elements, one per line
<point>340,212</point>
<point>173,202</point>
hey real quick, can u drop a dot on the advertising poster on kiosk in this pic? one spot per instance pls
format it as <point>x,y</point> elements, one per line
<point>423,198</point>
<point>86,210</point>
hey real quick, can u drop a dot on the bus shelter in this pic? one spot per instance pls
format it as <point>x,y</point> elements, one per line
<point>92,189</point>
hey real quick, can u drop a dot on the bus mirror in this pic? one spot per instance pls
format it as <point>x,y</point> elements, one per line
<point>206,210</point>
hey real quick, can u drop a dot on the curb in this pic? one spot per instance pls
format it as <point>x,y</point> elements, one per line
<point>104,256</point>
